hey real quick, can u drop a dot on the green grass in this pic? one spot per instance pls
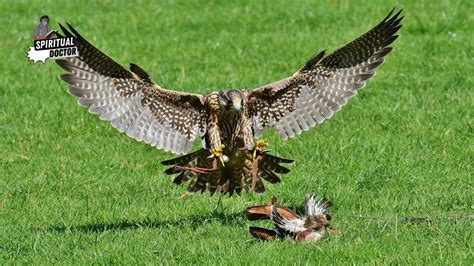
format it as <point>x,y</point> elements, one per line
<point>74,190</point>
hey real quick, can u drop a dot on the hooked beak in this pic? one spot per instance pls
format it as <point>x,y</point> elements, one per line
<point>237,105</point>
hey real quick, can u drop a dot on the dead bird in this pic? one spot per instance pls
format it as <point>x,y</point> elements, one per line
<point>288,224</point>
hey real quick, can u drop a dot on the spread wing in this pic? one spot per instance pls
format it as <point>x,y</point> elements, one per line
<point>131,101</point>
<point>312,206</point>
<point>323,85</point>
<point>290,224</point>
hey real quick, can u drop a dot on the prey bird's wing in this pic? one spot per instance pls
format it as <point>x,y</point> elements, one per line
<point>323,85</point>
<point>291,224</point>
<point>131,100</point>
<point>313,206</point>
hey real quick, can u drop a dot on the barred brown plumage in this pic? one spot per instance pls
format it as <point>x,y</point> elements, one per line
<point>172,120</point>
<point>235,176</point>
<point>323,85</point>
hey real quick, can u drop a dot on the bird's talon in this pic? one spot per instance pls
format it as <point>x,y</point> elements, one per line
<point>217,153</point>
<point>260,146</point>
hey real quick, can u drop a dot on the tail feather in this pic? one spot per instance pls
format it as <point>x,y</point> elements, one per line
<point>269,176</point>
<point>276,159</point>
<point>235,177</point>
<point>172,170</point>
<point>182,177</point>
<point>272,163</point>
<point>259,187</point>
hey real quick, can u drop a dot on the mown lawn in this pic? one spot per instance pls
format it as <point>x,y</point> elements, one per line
<point>74,190</point>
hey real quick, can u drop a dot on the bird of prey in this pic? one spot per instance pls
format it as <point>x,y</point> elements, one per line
<point>288,225</point>
<point>172,120</point>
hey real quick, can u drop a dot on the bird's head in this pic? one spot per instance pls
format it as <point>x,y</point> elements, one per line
<point>231,99</point>
<point>317,222</point>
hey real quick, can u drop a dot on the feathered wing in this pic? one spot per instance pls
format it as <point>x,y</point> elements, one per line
<point>313,206</point>
<point>131,101</point>
<point>263,233</point>
<point>290,224</point>
<point>323,85</point>
<point>265,212</point>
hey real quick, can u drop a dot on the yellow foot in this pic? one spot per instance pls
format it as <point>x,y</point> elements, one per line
<point>259,145</point>
<point>218,150</point>
<point>184,195</point>
<point>217,153</point>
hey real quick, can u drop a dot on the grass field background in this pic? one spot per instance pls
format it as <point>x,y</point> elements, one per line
<point>74,190</point>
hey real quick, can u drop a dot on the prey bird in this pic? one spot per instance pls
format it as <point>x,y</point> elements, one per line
<point>233,118</point>
<point>289,225</point>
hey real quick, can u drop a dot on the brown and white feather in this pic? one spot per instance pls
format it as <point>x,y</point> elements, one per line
<point>323,85</point>
<point>131,101</point>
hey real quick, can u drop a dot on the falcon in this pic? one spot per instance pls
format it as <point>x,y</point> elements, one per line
<point>288,224</point>
<point>170,120</point>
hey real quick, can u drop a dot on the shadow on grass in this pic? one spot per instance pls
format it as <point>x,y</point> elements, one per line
<point>192,221</point>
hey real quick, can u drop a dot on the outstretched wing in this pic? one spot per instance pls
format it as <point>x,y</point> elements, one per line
<point>131,101</point>
<point>291,224</point>
<point>323,85</point>
<point>314,207</point>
